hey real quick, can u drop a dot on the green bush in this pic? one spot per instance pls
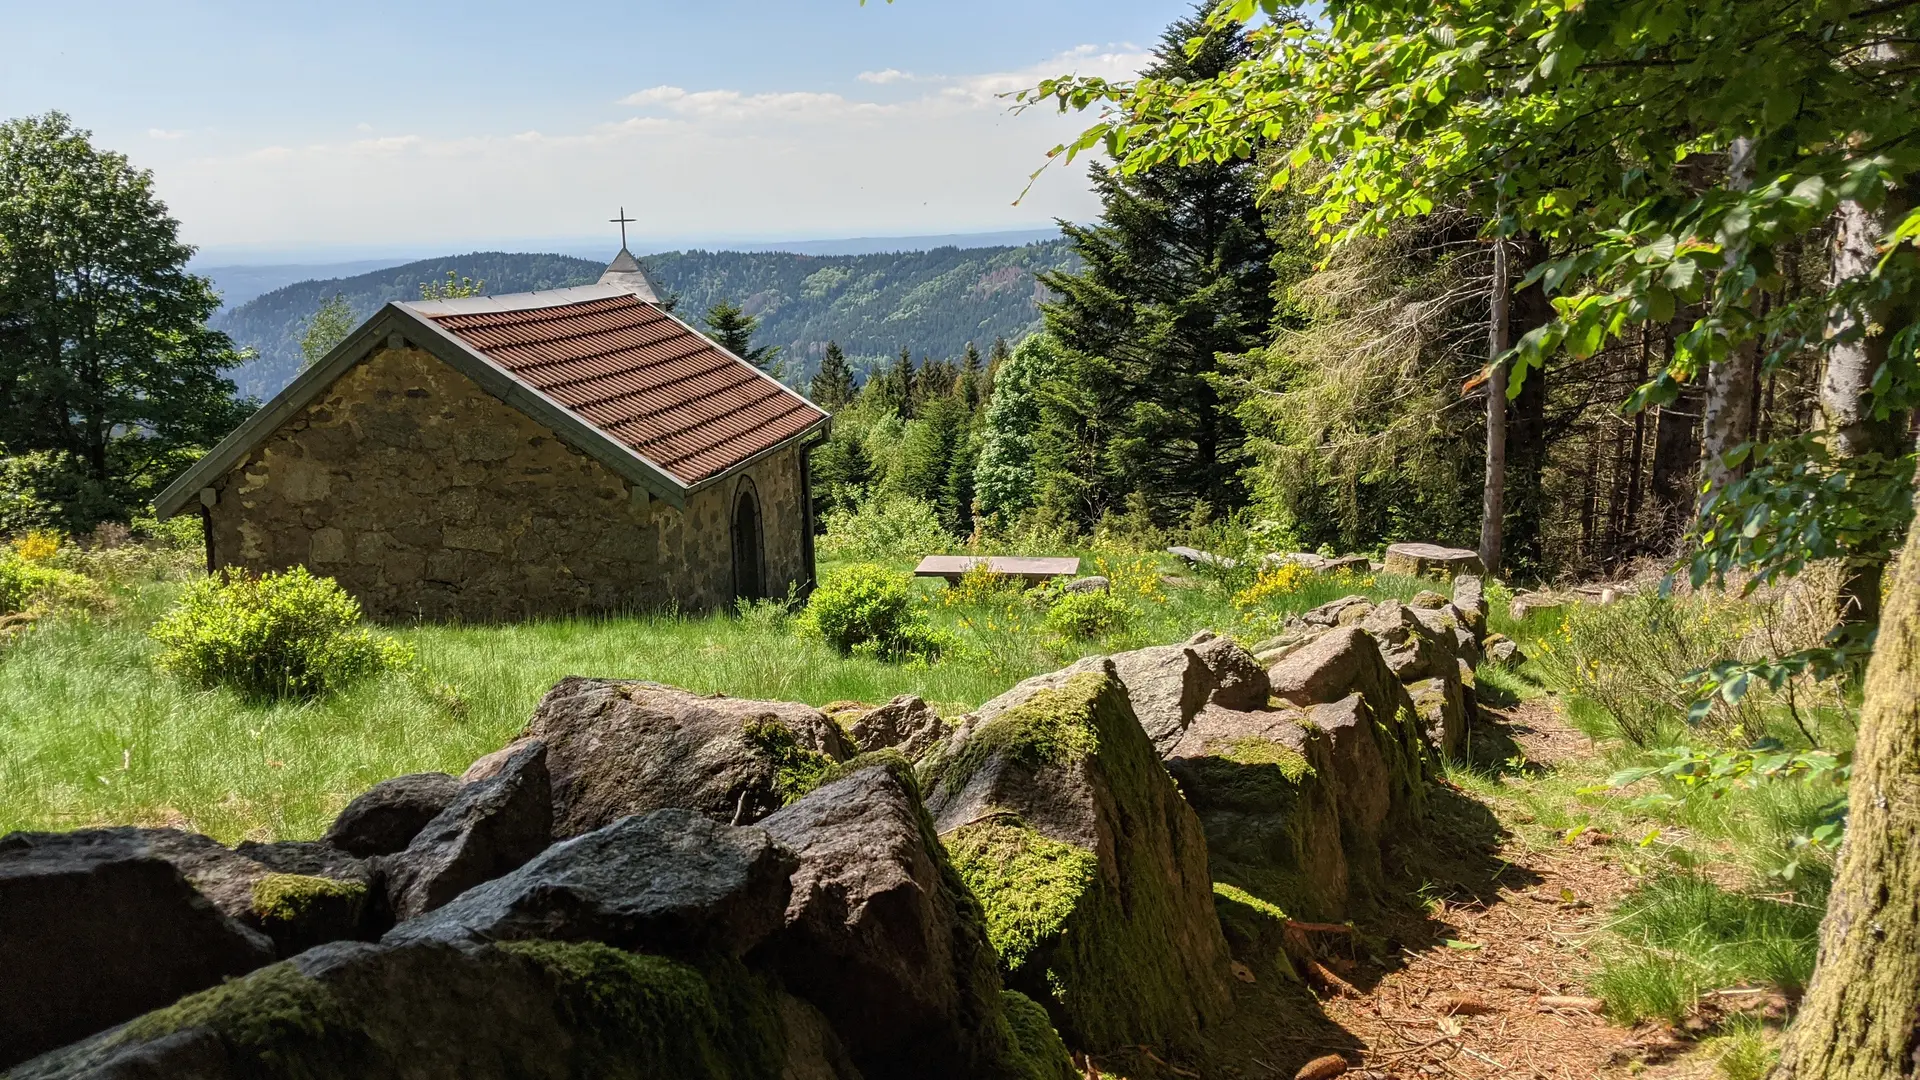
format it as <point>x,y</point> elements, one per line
<point>1084,616</point>
<point>885,526</point>
<point>24,582</point>
<point>869,609</point>
<point>278,635</point>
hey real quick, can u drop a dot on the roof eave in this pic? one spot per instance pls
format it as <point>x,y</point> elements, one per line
<point>820,427</point>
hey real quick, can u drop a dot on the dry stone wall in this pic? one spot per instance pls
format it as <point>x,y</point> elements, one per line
<point>427,497</point>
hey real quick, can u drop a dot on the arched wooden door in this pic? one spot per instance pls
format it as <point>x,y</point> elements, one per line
<point>749,561</point>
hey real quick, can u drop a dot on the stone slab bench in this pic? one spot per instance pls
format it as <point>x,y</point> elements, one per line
<point>1030,571</point>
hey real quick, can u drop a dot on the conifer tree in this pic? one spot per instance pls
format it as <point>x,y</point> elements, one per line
<point>732,329</point>
<point>1177,273</point>
<point>971,376</point>
<point>897,386</point>
<point>832,386</point>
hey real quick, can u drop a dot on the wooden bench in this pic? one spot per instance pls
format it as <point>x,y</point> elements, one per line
<point>1029,571</point>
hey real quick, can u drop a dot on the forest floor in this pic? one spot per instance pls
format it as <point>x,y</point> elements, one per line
<point>1488,978</point>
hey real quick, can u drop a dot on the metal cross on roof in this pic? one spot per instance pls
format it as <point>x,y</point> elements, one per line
<point>623,221</point>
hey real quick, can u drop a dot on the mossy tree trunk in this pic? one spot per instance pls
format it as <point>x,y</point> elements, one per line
<point>1861,1016</point>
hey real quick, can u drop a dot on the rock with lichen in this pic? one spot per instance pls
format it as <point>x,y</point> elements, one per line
<point>906,724</point>
<point>1091,869</point>
<point>1169,684</point>
<point>1348,661</point>
<point>616,748</point>
<point>429,1009</point>
<point>882,936</point>
<point>493,827</point>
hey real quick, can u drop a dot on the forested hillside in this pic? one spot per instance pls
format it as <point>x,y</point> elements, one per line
<point>931,302</point>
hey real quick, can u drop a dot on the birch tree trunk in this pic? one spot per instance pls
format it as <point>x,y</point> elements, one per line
<point>1860,1019</point>
<point>1493,508</point>
<point>1846,397</point>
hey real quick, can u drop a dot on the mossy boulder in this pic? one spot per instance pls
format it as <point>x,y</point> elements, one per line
<point>299,911</point>
<point>1040,1053</point>
<point>907,725</point>
<point>1265,787</point>
<point>883,937</point>
<point>616,748</point>
<point>428,1011</point>
<point>1117,937</point>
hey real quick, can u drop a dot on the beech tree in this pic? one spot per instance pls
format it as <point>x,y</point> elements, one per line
<point>1623,135</point>
<point>105,356</point>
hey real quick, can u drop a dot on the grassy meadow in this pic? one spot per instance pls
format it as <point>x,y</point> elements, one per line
<point>91,733</point>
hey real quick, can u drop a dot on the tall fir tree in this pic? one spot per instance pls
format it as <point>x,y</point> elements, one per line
<point>832,385</point>
<point>1176,273</point>
<point>971,375</point>
<point>897,386</point>
<point>732,328</point>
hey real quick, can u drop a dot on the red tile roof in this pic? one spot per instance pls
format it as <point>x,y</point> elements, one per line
<point>642,378</point>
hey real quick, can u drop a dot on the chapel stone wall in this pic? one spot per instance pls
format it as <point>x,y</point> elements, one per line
<point>427,497</point>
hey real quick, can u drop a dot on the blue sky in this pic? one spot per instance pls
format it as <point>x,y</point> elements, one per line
<point>361,126</point>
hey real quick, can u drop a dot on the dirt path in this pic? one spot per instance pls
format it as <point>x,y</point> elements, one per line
<point>1492,982</point>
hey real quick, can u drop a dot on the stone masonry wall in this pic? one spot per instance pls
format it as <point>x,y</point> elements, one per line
<point>427,497</point>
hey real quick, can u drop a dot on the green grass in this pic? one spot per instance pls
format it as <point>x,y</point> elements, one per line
<point>92,734</point>
<point>1682,935</point>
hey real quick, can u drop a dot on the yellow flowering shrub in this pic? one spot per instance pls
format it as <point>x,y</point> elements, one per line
<point>1273,582</point>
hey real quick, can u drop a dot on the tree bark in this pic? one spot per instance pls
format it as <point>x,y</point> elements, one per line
<point>1846,388</point>
<point>1493,506</point>
<point>1860,1019</point>
<point>1527,434</point>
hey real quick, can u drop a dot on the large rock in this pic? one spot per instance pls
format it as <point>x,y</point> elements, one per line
<point>432,1011</point>
<point>1442,707</point>
<point>881,936</point>
<point>1413,642</point>
<point>1419,560</point>
<point>493,827</point>
<point>621,748</point>
<point>1347,661</point>
<point>669,881</point>
<point>1470,597</point>
<point>391,813</point>
<point>97,927</point>
<point>1091,867</point>
<point>1321,564</point>
<point>906,724</point>
<point>1168,685</point>
<point>1261,783</point>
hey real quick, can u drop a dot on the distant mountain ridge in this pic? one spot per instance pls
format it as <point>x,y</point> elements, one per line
<point>932,302</point>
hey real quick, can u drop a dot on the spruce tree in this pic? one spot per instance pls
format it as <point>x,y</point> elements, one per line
<point>729,325</point>
<point>832,386</point>
<point>970,380</point>
<point>897,386</point>
<point>1175,274</point>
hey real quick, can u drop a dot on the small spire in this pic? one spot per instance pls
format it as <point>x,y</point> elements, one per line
<point>627,271</point>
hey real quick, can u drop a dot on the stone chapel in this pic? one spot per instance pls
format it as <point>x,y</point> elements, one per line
<point>549,453</point>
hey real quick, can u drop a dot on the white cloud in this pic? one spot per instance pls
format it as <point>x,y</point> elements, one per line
<point>883,78</point>
<point>163,133</point>
<point>689,162</point>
